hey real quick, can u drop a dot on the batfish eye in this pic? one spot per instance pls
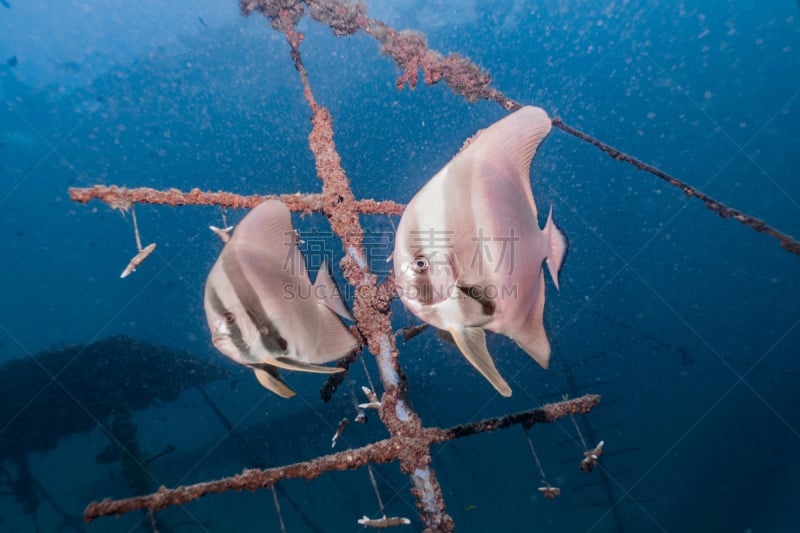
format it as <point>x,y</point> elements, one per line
<point>229,317</point>
<point>420,264</point>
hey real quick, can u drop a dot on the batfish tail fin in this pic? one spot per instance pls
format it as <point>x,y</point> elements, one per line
<point>558,245</point>
<point>531,336</point>
<point>472,343</point>
<point>271,380</point>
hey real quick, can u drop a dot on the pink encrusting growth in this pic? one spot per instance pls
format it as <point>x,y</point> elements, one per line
<point>303,203</point>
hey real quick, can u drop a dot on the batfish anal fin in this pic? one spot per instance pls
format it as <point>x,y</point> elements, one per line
<point>531,336</point>
<point>326,290</point>
<point>472,343</point>
<point>558,245</point>
<point>271,380</point>
<point>288,363</point>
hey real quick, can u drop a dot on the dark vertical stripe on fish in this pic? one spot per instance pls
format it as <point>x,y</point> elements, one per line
<point>235,333</point>
<point>268,332</point>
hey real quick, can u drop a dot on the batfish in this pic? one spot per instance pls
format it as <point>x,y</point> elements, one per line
<point>263,311</point>
<point>469,253</point>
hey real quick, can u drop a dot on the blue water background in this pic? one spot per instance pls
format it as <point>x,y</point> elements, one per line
<point>687,324</point>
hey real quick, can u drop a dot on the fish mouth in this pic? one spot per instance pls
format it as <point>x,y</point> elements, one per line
<point>218,339</point>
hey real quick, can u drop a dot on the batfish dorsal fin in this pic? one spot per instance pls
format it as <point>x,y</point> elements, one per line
<point>326,290</point>
<point>268,230</point>
<point>472,343</point>
<point>271,380</point>
<point>510,144</point>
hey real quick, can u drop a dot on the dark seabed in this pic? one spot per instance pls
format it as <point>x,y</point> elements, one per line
<point>687,324</point>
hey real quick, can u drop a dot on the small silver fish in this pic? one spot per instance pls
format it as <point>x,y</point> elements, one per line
<point>263,311</point>
<point>469,251</point>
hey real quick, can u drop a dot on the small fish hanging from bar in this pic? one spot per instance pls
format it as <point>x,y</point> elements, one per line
<point>591,457</point>
<point>224,233</point>
<point>385,521</point>
<point>339,430</point>
<point>143,254</point>
<point>373,403</point>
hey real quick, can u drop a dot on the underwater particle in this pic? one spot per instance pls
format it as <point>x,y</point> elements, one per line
<point>12,61</point>
<point>384,522</point>
<point>471,507</point>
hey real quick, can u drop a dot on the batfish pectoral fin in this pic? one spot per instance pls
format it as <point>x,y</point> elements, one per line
<point>326,290</point>
<point>472,343</point>
<point>271,380</point>
<point>287,363</point>
<point>445,336</point>
<point>557,247</point>
<point>479,295</point>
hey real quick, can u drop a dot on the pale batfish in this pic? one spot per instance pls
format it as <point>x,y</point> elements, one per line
<point>263,311</point>
<point>469,253</point>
